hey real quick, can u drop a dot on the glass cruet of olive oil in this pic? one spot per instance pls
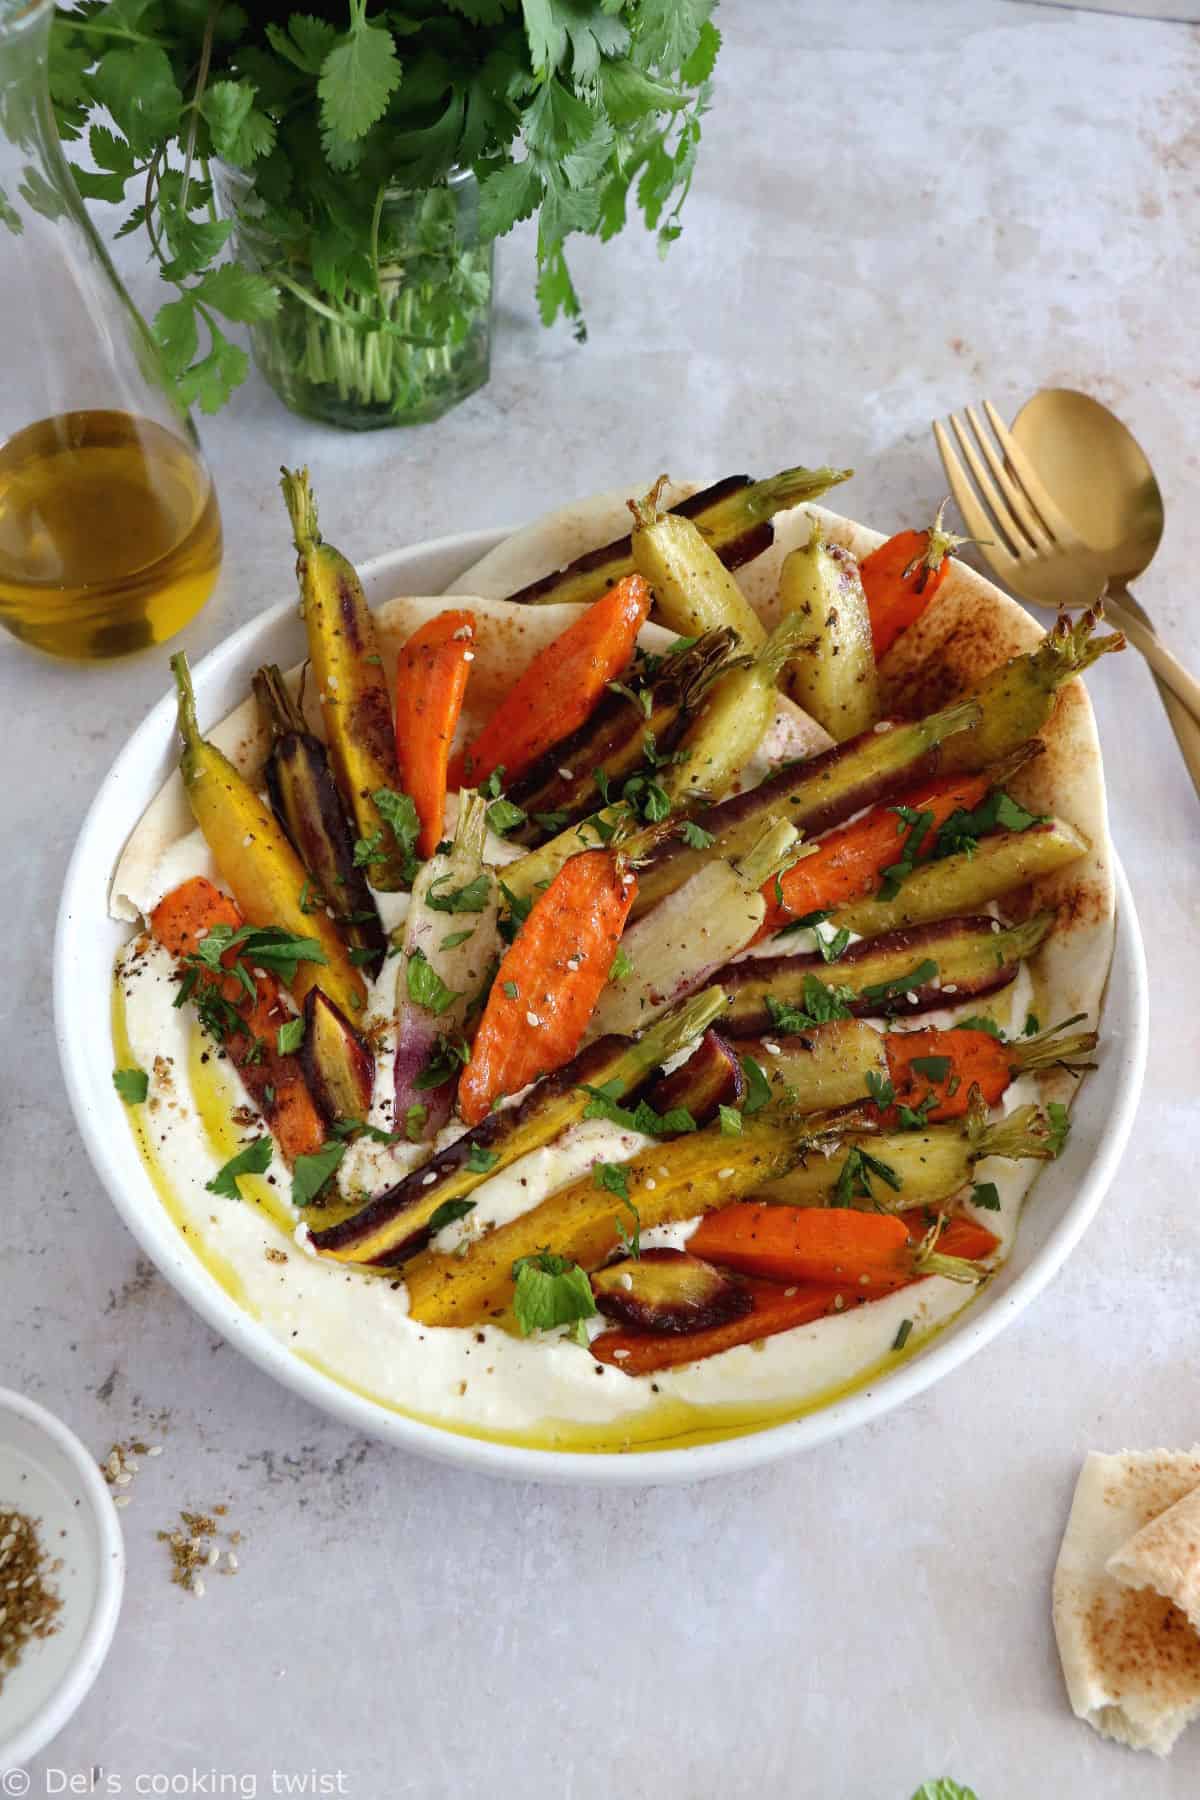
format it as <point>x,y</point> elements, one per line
<point>110,537</point>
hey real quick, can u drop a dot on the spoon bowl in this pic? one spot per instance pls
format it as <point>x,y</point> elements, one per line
<point>1099,475</point>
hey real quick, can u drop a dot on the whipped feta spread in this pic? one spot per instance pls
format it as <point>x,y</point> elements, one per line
<point>355,1325</point>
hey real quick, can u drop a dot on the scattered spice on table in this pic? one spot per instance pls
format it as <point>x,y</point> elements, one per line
<point>195,1550</point>
<point>29,1606</point>
<point>121,1465</point>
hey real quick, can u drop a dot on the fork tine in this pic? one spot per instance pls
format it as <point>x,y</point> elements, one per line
<point>1003,521</point>
<point>1025,514</point>
<point>1057,523</point>
<point>975,518</point>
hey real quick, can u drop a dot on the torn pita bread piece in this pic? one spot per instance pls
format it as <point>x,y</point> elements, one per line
<point>1130,1657</point>
<point>1165,1555</point>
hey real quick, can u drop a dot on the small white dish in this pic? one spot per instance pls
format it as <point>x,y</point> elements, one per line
<point>1063,1203</point>
<point>48,1475</point>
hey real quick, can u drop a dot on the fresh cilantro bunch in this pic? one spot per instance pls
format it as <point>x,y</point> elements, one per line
<point>562,108</point>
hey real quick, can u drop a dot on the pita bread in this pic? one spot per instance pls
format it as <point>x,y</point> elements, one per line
<point>1165,1556</point>
<point>1130,1658</point>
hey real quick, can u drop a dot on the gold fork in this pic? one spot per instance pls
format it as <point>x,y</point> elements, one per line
<point>1032,546</point>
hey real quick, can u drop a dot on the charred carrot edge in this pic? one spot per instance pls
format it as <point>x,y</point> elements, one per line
<point>850,862</point>
<point>547,985</point>
<point>274,1082</point>
<point>431,679</point>
<point>901,577</point>
<point>560,687</point>
<point>774,1309</point>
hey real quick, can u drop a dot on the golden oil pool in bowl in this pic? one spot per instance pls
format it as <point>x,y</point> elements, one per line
<point>110,534</point>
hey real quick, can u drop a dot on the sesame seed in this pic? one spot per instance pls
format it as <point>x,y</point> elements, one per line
<point>468,656</point>
<point>572,963</point>
<point>949,987</point>
<point>333,681</point>
<point>123,1480</point>
<point>620,1355</point>
<point>724,1174</point>
<point>650,1183</point>
<point>197,1587</point>
<point>247,840</point>
<point>911,998</point>
<point>155,1450</point>
<point>773,1049</point>
<point>214,1556</point>
<point>566,774</point>
<point>531,1018</point>
<point>232,1561</point>
<point>883,725</point>
<point>838,1303</point>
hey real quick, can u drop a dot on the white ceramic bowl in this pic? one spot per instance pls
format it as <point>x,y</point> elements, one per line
<point>46,1473</point>
<point>1064,1201</point>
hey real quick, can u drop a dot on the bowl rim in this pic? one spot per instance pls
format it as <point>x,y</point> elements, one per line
<point>65,1699</point>
<point>146,748</point>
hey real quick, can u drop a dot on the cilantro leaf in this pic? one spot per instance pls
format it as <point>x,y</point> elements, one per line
<point>414,1125</point>
<point>132,1084</point>
<point>358,76</point>
<point>503,816</point>
<point>472,897</point>
<point>987,1195</point>
<point>551,1290</point>
<point>695,836</point>
<point>621,965</point>
<point>290,1036</point>
<point>398,811</point>
<point>823,1001</point>
<point>255,1159</point>
<point>934,1068</point>
<point>631,1243</point>
<point>312,1174</point>
<point>880,1088</point>
<point>980,1022</point>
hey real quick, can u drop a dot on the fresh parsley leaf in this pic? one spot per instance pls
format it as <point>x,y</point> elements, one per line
<point>612,1177</point>
<point>399,813</point>
<point>551,821</point>
<point>934,1068</point>
<point>987,1195</point>
<point>255,1159</point>
<point>631,1243</point>
<point>621,965</point>
<point>290,1036</point>
<point>456,938</point>
<point>903,1334</point>
<point>472,897</point>
<point>511,989</point>
<point>758,1088</point>
<point>833,948</point>
<point>823,1001</point>
<point>1032,1025</point>
<point>915,1118</point>
<point>503,816</point>
<point>731,1121</point>
<point>695,836</point>
<point>902,984</point>
<point>980,1022</point>
<point>264,946</point>
<point>656,803</point>
<point>479,1160</point>
<point>414,1123</point>
<point>445,1060</point>
<point>919,826</point>
<point>448,1212</point>
<point>551,1290</point>
<point>880,1088</point>
<point>998,811</point>
<point>312,1174</point>
<point>425,986</point>
<point>132,1084</point>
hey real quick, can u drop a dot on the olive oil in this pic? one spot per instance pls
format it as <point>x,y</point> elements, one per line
<point>110,537</point>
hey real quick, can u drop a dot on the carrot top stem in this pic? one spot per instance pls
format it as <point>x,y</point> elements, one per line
<point>938,545</point>
<point>302,508</point>
<point>470,828</point>
<point>647,511</point>
<point>189,729</point>
<point>775,851</point>
<point>1050,1050</point>
<point>1024,1132</point>
<point>1069,646</point>
<point>928,1260</point>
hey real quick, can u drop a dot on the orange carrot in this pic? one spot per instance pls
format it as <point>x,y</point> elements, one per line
<point>275,1082</point>
<point>806,1243</point>
<point>779,1308</point>
<point>973,1059</point>
<point>851,861</point>
<point>560,687</point>
<point>431,678</point>
<point>775,1309</point>
<point>902,576</point>
<point>547,986</point>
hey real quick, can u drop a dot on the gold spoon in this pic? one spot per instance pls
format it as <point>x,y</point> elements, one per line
<point>1101,479</point>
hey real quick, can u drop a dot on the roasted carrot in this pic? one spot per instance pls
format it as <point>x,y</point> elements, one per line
<point>903,575</point>
<point>944,1066</point>
<point>560,687</point>
<point>274,1081</point>
<point>851,861</point>
<point>431,678</point>
<point>548,983</point>
<point>806,1243</point>
<point>774,1309</point>
<point>962,1237</point>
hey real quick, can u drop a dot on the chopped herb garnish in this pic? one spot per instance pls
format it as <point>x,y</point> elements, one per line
<point>600,777</point>
<point>1032,1025</point>
<point>472,897</point>
<point>312,1174</point>
<point>731,1120</point>
<point>902,1336</point>
<point>981,1022</point>
<point>656,804</point>
<point>350,1129</point>
<point>255,1159</point>
<point>448,1212</point>
<point>551,1290</point>
<point>934,1068</point>
<point>265,946</point>
<point>414,1125</point>
<point>518,908</point>
<point>503,816</point>
<point>758,1088</point>
<point>998,812</point>
<point>833,948</point>
<point>447,1057</point>
<point>823,1001</point>
<point>621,965</point>
<point>695,836</point>
<point>311,897</point>
<point>425,986</point>
<point>1060,1126</point>
<point>492,788</point>
<point>290,1036</point>
<point>399,812</point>
<point>369,850</point>
<point>456,938</point>
<point>915,1118</point>
<point>511,989</point>
<point>919,826</point>
<point>902,984</point>
<point>987,1195</point>
<point>612,1177</point>
<point>552,821</point>
<point>880,1088</point>
<point>479,1160</point>
<point>631,1244</point>
<point>361,954</point>
<point>854,1179</point>
<point>132,1084</point>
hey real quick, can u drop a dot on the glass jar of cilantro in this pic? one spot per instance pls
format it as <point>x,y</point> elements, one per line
<point>387,325</point>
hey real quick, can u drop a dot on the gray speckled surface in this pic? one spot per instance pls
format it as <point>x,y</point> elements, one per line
<point>900,206</point>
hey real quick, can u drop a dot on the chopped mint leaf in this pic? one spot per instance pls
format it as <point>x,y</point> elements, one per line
<point>425,986</point>
<point>255,1159</point>
<point>758,1088</point>
<point>132,1084</point>
<point>731,1120</point>
<point>613,1178</point>
<point>472,897</point>
<point>1060,1126</point>
<point>290,1036</point>
<point>621,965</point>
<point>551,1290</point>
<point>631,1244</point>
<point>902,984</point>
<point>833,948</point>
<point>448,1212</point>
<point>480,1161</point>
<point>823,1001</point>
